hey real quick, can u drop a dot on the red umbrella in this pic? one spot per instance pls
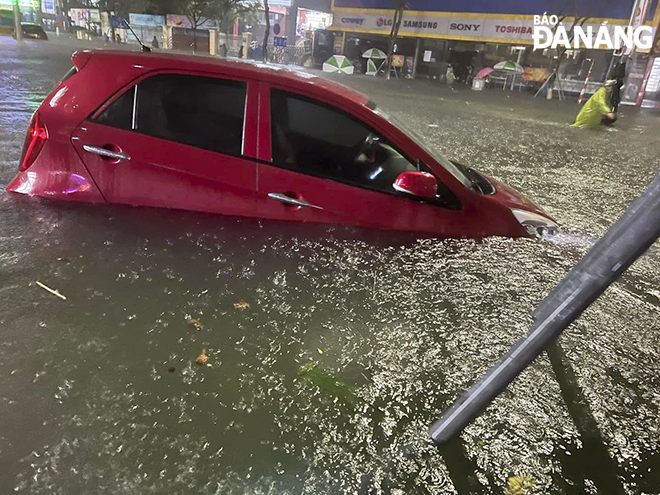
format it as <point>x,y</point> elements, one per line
<point>484,72</point>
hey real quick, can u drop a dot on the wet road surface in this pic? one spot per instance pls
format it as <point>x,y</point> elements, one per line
<point>353,342</point>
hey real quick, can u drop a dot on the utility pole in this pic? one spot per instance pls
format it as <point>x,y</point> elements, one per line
<point>38,15</point>
<point>17,22</point>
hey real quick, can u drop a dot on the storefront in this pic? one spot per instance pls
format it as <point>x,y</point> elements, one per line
<point>473,34</point>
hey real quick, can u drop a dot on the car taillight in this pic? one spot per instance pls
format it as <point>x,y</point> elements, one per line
<point>34,141</point>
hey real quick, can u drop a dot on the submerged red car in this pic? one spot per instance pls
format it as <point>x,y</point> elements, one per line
<point>246,139</point>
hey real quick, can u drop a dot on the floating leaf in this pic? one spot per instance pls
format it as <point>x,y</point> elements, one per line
<point>202,358</point>
<point>196,324</point>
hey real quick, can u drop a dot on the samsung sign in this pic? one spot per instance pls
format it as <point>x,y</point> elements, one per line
<point>420,25</point>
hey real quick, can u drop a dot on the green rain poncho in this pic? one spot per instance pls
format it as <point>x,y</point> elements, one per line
<point>594,109</point>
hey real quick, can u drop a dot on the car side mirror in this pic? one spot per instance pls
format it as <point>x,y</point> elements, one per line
<point>420,184</point>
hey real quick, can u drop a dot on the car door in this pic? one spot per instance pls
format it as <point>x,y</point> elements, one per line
<point>174,140</point>
<point>325,165</point>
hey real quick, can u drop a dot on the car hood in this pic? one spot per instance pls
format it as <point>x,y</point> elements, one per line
<point>509,197</point>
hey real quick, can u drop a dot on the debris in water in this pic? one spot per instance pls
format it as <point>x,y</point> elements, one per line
<point>196,324</point>
<point>52,291</point>
<point>171,369</point>
<point>241,305</point>
<point>202,358</point>
<point>519,485</point>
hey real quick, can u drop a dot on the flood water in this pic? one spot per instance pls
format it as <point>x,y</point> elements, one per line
<point>353,342</point>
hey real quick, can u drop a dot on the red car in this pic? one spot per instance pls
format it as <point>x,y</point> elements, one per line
<point>245,139</point>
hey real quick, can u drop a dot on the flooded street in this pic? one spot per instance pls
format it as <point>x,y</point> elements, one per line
<point>352,342</point>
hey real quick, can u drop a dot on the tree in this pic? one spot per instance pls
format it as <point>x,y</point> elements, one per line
<point>198,12</point>
<point>267,33</point>
<point>399,7</point>
<point>231,10</point>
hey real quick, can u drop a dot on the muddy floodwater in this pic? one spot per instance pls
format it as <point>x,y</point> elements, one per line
<point>329,350</point>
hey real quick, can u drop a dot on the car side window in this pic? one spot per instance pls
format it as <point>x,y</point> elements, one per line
<point>200,111</point>
<point>120,112</point>
<point>316,139</point>
<point>204,112</point>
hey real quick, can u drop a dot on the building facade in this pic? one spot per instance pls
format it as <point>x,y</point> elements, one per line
<point>471,34</point>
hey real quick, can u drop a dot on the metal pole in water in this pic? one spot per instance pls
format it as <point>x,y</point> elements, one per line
<point>630,236</point>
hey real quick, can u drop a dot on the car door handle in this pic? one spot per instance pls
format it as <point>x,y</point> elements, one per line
<point>283,198</point>
<point>98,150</point>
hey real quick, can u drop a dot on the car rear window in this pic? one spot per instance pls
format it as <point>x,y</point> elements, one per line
<point>204,112</point>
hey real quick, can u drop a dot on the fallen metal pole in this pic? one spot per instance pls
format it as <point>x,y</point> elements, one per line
<point>636,230</point>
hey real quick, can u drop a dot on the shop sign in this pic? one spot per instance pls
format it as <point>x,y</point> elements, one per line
<point>468,27</point>
<point>118,22</point>
<point>398,60</point>
<point>353,21</point>
<point>489,28</point>
<point>79,17</point>
<point>607,9</point>
<point>377,22</point>
<point>146,20</point>
<point>473,27</point>
<point>48,6</point>
<point>22,4</point>
<point>508,29</point>
<point>182,21</point>
<point>535,74</point>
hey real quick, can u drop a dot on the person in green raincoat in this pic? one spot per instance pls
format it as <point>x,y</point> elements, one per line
<point>597,110</point>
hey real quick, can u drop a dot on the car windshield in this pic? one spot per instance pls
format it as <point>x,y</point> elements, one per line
<point>438,157</point>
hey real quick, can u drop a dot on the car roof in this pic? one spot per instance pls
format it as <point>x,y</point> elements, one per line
<point>275,74</point>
